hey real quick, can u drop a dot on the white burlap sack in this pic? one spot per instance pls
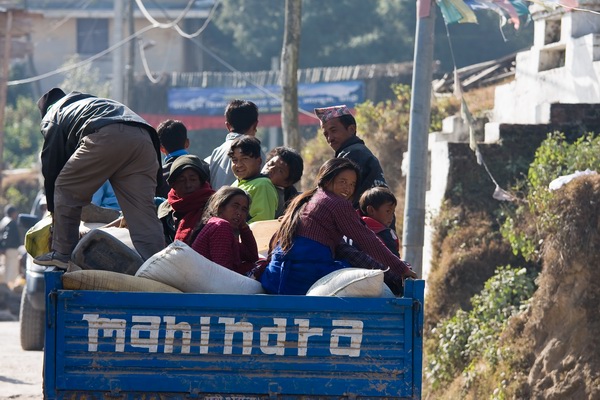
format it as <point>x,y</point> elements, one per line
<point>180,266</point>
<point>112,281</point>
<point>349,282</point>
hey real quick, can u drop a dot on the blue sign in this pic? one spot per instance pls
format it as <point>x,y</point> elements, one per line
<point>212,101</point>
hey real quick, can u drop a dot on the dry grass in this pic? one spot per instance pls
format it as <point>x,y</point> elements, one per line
<point>552,350</point>
<point>469,254</point>
<point>481,100</point>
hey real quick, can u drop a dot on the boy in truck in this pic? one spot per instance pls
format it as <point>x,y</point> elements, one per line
<point>245,164</point>
<point>377,206</point>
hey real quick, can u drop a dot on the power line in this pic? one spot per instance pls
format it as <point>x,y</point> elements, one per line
<point>57,71</point>
<point>168,25</point>
<point>147,71</point>
<point>83,62</point>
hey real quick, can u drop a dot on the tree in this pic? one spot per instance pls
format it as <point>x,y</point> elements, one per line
<point>23,141</point>
<point>350,32</point>
<point>345,32</point>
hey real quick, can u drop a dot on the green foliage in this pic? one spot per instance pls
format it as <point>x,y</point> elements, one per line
<point>21,197</point>
<point>527,225</point>
<point>84,79</point>
<point>441,108</point>
<point>384,127</point>
<point>350,32</point>
<point>23,140</point>
<point>458,342</point>
<point>344,32</point>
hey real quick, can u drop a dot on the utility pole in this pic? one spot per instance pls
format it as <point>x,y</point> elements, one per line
<point>117,81</point>
<point>130,57</point>
<point>3,81</point>
<point>418,135</point>
<point>289,73</point>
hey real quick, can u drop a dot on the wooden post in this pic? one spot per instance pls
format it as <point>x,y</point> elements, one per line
<point>3,87</point>
<point>289,73</point>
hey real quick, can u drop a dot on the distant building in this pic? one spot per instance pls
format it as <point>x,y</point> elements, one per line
<point>556,86</point>
<point>562,66</point>
<point>86,28</point>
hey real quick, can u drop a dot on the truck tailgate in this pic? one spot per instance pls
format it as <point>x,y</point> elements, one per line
<point>103,344</point>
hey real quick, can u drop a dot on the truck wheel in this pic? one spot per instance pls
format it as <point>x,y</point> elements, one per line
<point>31,325</point>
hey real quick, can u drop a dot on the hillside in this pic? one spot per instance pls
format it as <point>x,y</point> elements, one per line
<point>559,334</point>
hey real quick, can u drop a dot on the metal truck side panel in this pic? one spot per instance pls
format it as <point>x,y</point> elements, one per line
<point>171,345</point>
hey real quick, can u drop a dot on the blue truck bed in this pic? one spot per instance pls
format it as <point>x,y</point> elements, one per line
<point>132,345</point>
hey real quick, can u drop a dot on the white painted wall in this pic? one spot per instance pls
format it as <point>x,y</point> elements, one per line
<point>55,41</point>
<point>526,100</point>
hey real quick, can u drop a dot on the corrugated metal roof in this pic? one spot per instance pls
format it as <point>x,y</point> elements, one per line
<point>309,75</point>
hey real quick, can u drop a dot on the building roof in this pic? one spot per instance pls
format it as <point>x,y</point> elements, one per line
<point>169,9</point>
<point>308,75</point>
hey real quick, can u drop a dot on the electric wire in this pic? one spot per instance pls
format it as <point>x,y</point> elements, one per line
<point>218,59</point>
<point>499,192</point>
<point>96,56</point>
<point>168,25</point>
<point>546,3</point>
<point>144,59</point>
<point>83,62</point>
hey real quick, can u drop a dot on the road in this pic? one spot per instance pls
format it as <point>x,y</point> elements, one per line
<point>20,371</point>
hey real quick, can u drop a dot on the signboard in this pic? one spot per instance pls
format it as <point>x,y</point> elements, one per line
<point>212,101</point>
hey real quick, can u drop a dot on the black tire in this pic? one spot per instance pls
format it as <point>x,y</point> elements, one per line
<point>31,325</point>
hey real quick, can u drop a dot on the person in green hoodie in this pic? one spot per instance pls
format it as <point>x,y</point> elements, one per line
<point>246,164</point>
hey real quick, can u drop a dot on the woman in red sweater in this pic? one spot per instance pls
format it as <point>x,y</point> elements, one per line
<point>224,236</point>
<point>312,232</point>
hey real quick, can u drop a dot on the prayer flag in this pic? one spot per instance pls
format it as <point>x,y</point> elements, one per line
<point>424,8</point>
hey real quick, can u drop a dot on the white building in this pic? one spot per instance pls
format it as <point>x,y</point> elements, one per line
<point>89,28</point>
<point>562,66</point>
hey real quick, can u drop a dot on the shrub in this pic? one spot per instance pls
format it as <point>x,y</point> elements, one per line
<point>527,225</point>
<point>462,339</point>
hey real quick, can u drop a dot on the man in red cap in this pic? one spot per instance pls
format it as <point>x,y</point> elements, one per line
<point>339,129</point>
<point>87,141</point>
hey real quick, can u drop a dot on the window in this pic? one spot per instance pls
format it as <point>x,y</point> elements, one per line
<point>552,31</point>
<point>92,35</point>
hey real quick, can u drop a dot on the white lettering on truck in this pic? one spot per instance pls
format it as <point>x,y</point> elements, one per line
<point>345,337</point>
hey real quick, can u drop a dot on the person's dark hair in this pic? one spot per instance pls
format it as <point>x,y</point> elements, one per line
<point>241,115</point>
<point>184,162</point>
<point>292,158</point>
<point>248,145</point>
<point>220,199</point>
<point>9,209</point>
<point>172,135</point>
<point>290,220</point>
<point>347,120</point>
<point>49,98</point>
<point>376,197</point>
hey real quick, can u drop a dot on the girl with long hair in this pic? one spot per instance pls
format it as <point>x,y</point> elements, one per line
<point>314,226</point>
<point>224,236</point>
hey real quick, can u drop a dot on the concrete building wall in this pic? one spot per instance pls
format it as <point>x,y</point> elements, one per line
<point>563,66</point>
<point>556,87</point>
<point>55,42</point>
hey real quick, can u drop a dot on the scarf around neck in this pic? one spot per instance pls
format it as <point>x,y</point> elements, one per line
<point>189,210</point>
